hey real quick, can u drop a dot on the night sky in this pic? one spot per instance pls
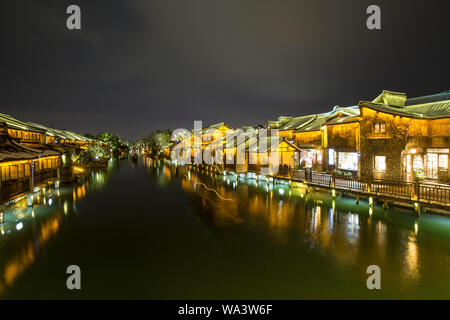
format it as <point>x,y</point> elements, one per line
<point>138,66</point>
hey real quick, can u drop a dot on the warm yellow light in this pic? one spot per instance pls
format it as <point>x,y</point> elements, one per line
<point>412,151</point>
<point>77,169</point>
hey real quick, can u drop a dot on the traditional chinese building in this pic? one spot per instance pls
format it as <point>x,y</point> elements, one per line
<point>309,139</point>
<point>271,155</point>
<point>404,139</point>
<point>31,155</point>
<point>341,141</point>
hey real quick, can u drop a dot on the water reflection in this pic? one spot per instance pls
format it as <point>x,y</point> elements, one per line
<point>26,231</point>
<point>347,235</point>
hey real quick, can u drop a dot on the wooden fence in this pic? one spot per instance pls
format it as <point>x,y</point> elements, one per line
<point>417,191</point>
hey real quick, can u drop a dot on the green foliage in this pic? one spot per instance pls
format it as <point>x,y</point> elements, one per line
<point>118,146</point>
<point>419,174</point>
<point>158,140</point>
<point>110,138</point>
<point>96,151</point>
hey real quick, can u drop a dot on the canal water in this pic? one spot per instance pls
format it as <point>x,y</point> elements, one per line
<point>149,230</point>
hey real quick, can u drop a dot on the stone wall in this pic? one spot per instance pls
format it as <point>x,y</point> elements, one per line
<point>390,144</point>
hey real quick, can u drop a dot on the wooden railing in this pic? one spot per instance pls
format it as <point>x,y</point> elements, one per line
<point>417,191</point>
<point>350,184</point>
<point>319,179</point>
<point>434,193</point>
<point>298,175</point>
<point>392,188</point>
<point>438,194</point>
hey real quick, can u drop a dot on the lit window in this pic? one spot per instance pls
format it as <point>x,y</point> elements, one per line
<point>348,161</point>
<point>443,161</point>
<point>380,163</point>
<point>13,172</point>
<point>379,127</point>
<point>331,156</point>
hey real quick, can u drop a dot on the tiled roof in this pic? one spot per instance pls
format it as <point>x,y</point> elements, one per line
<point>278,123</point>
<point>343,115</point>
<point>297,123</point>
<point>429,98</point>
<point>432,110</point>
<point>214,127</point>
<point>64,134</point>
<point>263,144</point>
<point>49,131</point>
<point>17,124</point>
<point>316,124</point>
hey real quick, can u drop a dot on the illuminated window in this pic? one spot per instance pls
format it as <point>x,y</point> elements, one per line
<point>443,161</point>
<point>27,170</point>
<point>331,157</point>
<point>21,171</point>
<point>417,162</point>
<point>379,127</point>
<point>348,161</point>
<point>13,172</point>
<point>319,156</point>
<point>380,163</point>
<point>5,173</point>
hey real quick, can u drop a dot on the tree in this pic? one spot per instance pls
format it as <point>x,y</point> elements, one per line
<point>117,145</point>
<point>95,152</point>
<point>158,140</point>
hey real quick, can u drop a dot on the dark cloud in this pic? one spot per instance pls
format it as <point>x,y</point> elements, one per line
<point>137,66</point>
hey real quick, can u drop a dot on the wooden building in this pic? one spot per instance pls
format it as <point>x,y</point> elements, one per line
<point>309,139</point>
<point>31,155</point>
<point>23,168</point>
<point>341,141</point>
<point>405,139</point>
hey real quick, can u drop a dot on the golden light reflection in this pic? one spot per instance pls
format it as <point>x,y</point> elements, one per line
<point>26,254</point>
<point>411,272</point>
<point>331,226</point>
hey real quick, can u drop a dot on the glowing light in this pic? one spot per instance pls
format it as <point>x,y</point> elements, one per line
<point>416,228</point>
<point>66,207</point>
<point>19,226</point>
<point>77,169</point>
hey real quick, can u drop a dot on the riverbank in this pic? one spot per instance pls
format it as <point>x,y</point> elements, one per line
<point>417,197</point>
